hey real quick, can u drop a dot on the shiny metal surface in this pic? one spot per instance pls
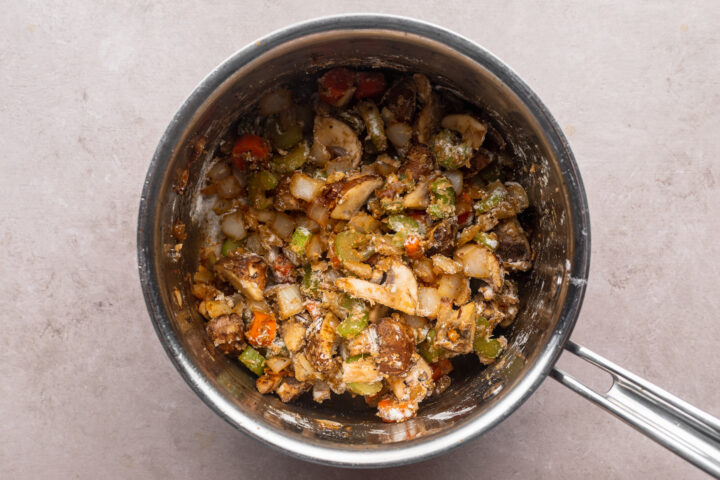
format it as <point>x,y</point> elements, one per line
<point>673,423</point>
<point>343,432</point>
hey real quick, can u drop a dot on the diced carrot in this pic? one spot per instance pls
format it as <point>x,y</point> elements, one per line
<point>393,411</point>
<point>412,246</point>
<point>254,145</point>
<point>284,268</point>
<point>335,84</point>
<point>370,84</point>
<point>313,308</point>
<point>262,330</point>
<point>440,368</point>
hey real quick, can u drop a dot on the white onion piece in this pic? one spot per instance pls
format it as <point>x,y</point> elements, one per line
<point>219,171</point>
<point>315,248</point>
<point>228,187</point>
<point>283,225</point>
<point>232,226</point>
<point>318,213</point>
<point>319,154</point>
<point>303,221</point>
<point>277,364</point>
<point>275,102</point>
<point>263,216</point>
<point>304,187</point>
<point>253,243</point>
<point>456,178</point>
<point>399,134</point>
<point>289,300</point>
<point>428,302</point>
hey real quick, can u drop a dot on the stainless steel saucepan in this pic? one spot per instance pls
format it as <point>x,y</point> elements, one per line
<point>343,431</point>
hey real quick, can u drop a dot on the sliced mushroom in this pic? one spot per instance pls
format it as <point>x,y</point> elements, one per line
<point>396,345</point>
<point>246,272</point>
<point>479,262</point>
<point>400,100</point>
<point>226,333</point>
<point>456,328</point>
<point>331,132</point>
<point>428,119</point>
<point>419,163</point>
<point>415,384</point>
<point>473,131</point>
<point>400,290</point>
<point>353,195</point>
<point>290,389</point>
<point>442,238</point>
<point>321,344</point>
<point>513,246</point>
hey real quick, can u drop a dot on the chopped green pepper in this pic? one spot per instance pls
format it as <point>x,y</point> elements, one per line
<point>283,139</point>
<point>496,194</point>
<point>252,359</point>
<point>364,388</point>
<point>230,245</point>
<point>357,318</point>
<point>374,123</point>
<point>353,325</point>
<point>488,348</point>
<point>392,206</point>
<point>293,160</point>
<point>449,151</point>
<point>490,240</point>
<point>443,199</point>
<point>427,348</point>
<point>355,358</point>
<point>299,240</point>
<point>259,183</point>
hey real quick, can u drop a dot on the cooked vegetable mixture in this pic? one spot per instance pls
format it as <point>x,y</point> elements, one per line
<point>367,239</point>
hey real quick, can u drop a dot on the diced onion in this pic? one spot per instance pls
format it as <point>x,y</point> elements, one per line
<point>283,225</point>
<point>232,226</point>
<point>318,213</point>
<point>253,243</point>
<point>304,187</point>
<point>289,301</point>
<point>228,187</point>
<point>311,225</point>
<point>219,171</point>
<point>428,302</point>
<point>315,248</point>
<point>275,102</point>
<point>456,178</point>
<point>399,134</point>
<point>277,364</point>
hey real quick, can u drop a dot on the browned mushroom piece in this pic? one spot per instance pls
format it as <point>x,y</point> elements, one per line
<point>513,246</point>
<point>353,194</point>
<point>246,272</point>
<point>322,343</point>
<point>283,200</point>
<point>227,333</point>
<point>290,389</point>
<point>456,328</point>
<point>419,163</point>
<point>400,99</point>
<point>395,346</point>
<point>443,237</point>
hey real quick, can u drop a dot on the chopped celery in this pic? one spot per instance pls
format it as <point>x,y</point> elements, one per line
<point>283,139</point>
<point>310,281</point>
<point>252,359</point>
<point>230,245</point>
<point>487,347</point>
<point>365,388</point>
<point>355,323</point>
<point>427,348</point>
<point>259,183</point>
<point>403,223</point>
<point>488,239</point>
<point>346,246</point>
<point>293,160</point>
<point>299,240</point>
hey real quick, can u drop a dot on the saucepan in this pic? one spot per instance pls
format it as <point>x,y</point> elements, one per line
<point>343,431</point>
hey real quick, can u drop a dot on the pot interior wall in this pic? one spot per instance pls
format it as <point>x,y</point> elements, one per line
<point>345,421</point>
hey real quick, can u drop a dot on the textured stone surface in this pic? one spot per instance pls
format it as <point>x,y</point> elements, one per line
<point>86,92</point>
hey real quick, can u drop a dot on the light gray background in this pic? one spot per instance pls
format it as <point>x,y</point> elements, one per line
<point>86,89</point>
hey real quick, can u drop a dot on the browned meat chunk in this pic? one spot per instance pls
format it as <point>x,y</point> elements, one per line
<point>246,272</point>
<point>395,346</point>
<point>226,333</point>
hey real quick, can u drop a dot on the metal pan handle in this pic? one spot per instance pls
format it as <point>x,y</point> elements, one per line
<point>673,423</point>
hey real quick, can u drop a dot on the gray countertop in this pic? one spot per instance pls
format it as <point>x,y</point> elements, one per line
<point>88,88</point>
